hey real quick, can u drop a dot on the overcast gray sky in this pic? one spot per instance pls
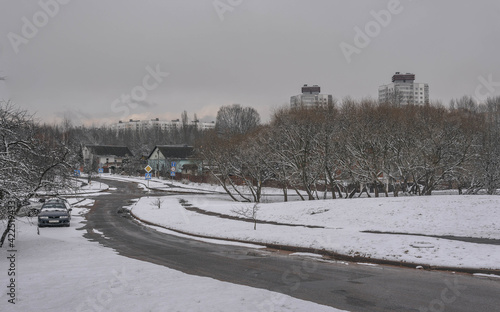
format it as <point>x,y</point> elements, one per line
<point>77,58</point>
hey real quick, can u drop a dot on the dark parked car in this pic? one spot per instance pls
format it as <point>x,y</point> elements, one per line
<point>54,214</point>
<point>34,208</point>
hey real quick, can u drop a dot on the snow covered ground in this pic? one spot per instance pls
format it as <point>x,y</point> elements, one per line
<point>344,222</point>
<point>59,270</point>
<point>80,186</point>
<point>189,187</point>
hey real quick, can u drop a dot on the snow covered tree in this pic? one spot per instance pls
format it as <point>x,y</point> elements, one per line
<point>30,159</point>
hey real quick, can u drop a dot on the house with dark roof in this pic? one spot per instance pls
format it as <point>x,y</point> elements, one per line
<point>162,157</point>
<point>108,157</point>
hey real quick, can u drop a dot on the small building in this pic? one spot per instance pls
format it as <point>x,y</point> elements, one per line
<point>108,157</point>
<point>162,157</point>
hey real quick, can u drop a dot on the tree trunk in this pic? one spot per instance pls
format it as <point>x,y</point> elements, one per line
<point>298,193</point>
<point>285,192</point>
<point>339,190</point>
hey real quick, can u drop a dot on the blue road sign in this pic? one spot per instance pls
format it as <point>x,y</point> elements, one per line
<point>173,164</point>
<point>100,170</point>
<point>148,176</point>
<point>172,173</point>
<point>77,173</point>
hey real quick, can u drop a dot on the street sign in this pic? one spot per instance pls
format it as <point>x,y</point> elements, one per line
<point>172,169</point>
<point>173,164</point>
<point>148,176</point>
<point>172,173</point>
<point>100,170</point>
<point>77,173</point>
<point>148,168</point>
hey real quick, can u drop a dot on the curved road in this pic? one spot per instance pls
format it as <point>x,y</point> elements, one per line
<point>351,287</point>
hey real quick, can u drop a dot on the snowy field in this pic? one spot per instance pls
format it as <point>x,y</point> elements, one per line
<point>59,270</point>
<point>344,222</point>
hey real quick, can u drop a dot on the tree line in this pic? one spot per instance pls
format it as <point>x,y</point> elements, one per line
<point>326,151</point>
<point>339,150</point>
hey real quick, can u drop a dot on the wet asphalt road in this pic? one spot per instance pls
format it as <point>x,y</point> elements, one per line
<point>351,286</point>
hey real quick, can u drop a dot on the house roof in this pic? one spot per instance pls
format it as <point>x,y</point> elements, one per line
<point>110,150</point>
<point>175,151</point>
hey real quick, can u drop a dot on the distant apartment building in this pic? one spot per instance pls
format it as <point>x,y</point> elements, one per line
<point>404,90</point>
<point>141,125</point>
<point>311,96</point>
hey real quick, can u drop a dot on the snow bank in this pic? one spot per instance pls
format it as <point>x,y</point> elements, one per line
<point>344,222</point>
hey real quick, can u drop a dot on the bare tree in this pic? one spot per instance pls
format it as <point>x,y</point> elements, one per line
<point>248,212</point>
<point>219,154</point>
<point>300,131</point>
<point>251,162</point>
<point>485,171</point>
<point>236,120</point>
<point>157,202</point>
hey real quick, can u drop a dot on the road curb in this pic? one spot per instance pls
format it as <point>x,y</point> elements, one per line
<point>334,255</point>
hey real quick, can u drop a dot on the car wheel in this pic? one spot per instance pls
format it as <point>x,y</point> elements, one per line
<point>66,225</point>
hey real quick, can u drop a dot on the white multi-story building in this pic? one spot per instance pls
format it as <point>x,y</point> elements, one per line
<point>140,125</point>
<point>404,90</point>
<point>311,96</point>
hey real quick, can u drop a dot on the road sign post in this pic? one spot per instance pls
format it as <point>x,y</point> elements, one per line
<point>172,170</point>
<point>100,170</point>
<point>148,174</point>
